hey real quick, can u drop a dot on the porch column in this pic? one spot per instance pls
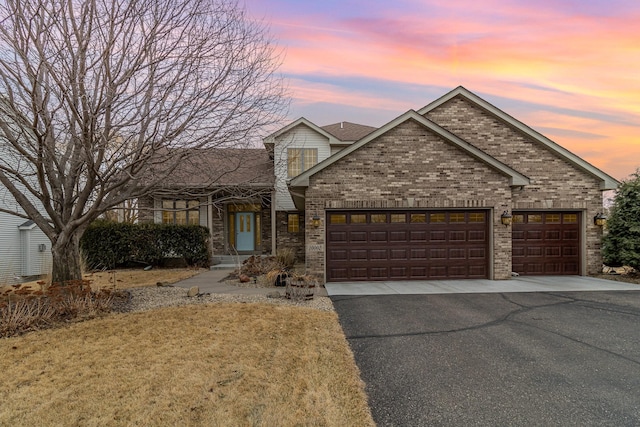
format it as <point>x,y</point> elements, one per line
<point>273,223</point>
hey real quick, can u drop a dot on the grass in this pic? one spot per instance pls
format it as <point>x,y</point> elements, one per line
<point>127,278</point>
<point>210,365</point>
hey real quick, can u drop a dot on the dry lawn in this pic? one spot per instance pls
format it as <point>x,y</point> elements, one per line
<point>210,365</point>
<point>128,278</point>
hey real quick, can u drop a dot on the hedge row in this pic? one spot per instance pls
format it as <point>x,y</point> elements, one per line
<point>108,244</point>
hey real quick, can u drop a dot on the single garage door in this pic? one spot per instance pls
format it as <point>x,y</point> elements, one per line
<point>407,245</point>
<point>546,243</point>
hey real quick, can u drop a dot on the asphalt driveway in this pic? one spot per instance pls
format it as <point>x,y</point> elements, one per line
<point>499,359</point>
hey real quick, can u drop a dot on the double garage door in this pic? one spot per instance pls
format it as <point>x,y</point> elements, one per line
<point>407,245</point>
<point>436,245</point>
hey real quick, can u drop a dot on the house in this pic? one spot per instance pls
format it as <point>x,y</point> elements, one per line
<point>457,189</point>
<point>25,251</point>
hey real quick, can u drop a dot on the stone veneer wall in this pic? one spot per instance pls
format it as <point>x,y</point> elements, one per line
<point>408,167</point>
<point>555,183</point>
<point>145,209</point>
<point>285,239</point>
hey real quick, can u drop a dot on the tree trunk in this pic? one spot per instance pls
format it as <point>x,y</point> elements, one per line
<point>66,260</point>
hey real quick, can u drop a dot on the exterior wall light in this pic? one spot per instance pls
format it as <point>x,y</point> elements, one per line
<point>315,221</point>
<point>506,218</point>
<point>600,220</point>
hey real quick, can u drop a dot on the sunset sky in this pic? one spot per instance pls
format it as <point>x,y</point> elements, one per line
<point>570,69</point>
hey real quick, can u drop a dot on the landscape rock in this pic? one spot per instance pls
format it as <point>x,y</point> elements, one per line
<point>244,278</point>
<point>274,294</point>
<point>193,291</point>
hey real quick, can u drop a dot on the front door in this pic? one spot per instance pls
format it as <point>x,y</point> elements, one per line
<point>245,240</point>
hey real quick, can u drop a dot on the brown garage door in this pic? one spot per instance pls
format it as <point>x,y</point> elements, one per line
<point>407,245</point>
<point>546,243</point>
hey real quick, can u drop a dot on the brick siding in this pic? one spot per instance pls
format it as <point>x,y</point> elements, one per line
<point>555,183</point>
<point>408,167</point>
<point>285,239</point>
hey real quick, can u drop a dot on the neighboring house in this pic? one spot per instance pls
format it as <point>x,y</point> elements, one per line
<point>25,251</point>
<point>422,197</point>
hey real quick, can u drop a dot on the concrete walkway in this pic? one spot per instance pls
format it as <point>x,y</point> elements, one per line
<point>210,282</point>
<point>518,284</point>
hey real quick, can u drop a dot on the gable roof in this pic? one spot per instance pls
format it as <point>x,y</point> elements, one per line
<point>516,179</point>
<point>348,132</point>
<point>607,182</point>
<point>301,121</point>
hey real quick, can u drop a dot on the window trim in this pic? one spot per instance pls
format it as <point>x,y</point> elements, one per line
<point>300,160</point>
<point>293,226</point>
<point>173,211</point>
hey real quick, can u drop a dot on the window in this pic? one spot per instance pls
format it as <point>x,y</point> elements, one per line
<point>552,218</point>
<point>534,218</point>
<point>337,219</point>
<point>181,212</point>
<point>300,159</point>
<point>476,217</point>
<point>436,217</point>
<point>456,217</point>
<point>293,223</point>
<point>358,219</point>
<point>398,218</point>
<point>418,217</point>
<point>378,218</point>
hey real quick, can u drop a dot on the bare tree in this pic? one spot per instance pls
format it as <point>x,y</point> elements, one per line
<point>101,100</point>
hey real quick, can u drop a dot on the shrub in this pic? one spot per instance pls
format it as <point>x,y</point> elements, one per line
<point>621,245</point>
<point>108,245</point>
<point>286,257</point>
<point>24,309</point>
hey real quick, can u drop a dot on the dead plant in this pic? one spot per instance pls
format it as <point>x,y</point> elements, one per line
<point>25,309</point>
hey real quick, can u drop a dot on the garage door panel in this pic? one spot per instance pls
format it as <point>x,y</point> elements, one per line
<point>418,236</point>
<point>378,254</point>
<point>546,243</point>
<point>458,271</point>
<point>418,272</point>
<point>398,273</point>
<point>533,235</point>
<point>336,274</point>
<point>379,273</point>
<point>358,254</point>
<point>477,236</point>
<point>398,236</point>
<point>398,254</point>
<point>438,272</point>
<point>438,236</point>
<point>437,254</point>
<point>338,254</point>
<point>358,273</point>
<point>477,271</point>
<point>358,236</point>
<point>552,235</point>
<point>337,237</point>
<point>553,251</point>
<point>405,245</point>
<point>477,253</point>
<point>535,251</point>
<point>457,236</point>
<point>457,253</point>
<point>378,236</point>
<point>419,254</point>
